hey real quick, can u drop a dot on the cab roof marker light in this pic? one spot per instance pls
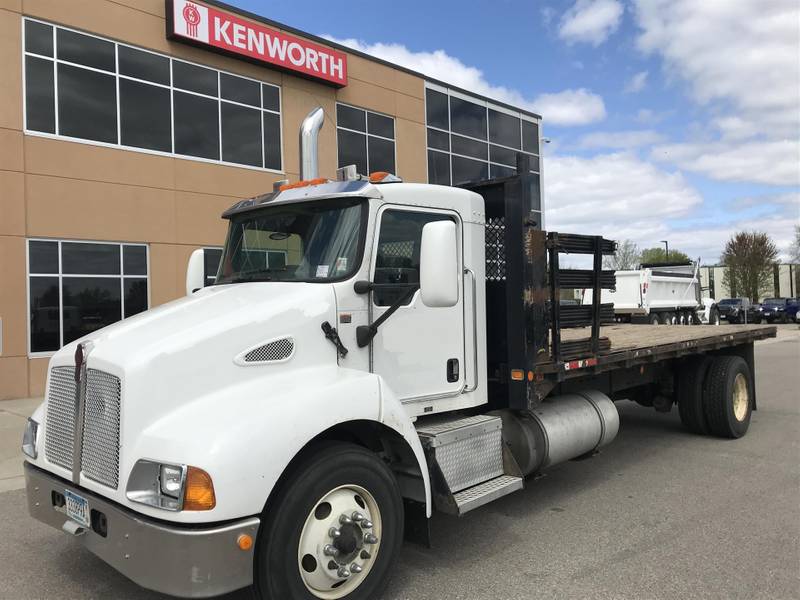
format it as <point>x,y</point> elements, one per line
<point>384,177</point>
<point>302,183</point>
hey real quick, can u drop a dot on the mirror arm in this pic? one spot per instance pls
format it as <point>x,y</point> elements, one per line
<point>365,333</point>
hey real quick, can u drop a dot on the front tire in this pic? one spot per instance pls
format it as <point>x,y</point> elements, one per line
<point>299,556</point>
<point>728,396</point>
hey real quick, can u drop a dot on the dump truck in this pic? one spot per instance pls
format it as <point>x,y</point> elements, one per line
<point>286,428</point>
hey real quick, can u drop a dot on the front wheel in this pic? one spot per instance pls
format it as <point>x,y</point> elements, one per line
<point>728,396</point>
<point>713,317</point>
<point>334,529</point>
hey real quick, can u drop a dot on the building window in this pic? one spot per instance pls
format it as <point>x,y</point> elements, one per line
<point>75,288</point>
<point>471,139</point>
<point>365,139</point>
<point>87,88</point>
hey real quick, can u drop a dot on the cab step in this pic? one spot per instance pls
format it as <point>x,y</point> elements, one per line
<point>469,463</point>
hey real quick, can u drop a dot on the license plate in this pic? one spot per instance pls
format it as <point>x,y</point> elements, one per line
<point>77,508</point>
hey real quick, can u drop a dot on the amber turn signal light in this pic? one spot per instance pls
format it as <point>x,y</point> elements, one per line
<point>518,374</point>
<point>199,494</point>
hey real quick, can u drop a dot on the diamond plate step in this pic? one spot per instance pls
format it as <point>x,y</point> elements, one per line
<point>486,492</point>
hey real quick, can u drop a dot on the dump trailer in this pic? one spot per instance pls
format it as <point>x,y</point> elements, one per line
<point>287,427</point>
<point>655,294</point>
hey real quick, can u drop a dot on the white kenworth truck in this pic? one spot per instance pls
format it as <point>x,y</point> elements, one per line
<point>371,351</point>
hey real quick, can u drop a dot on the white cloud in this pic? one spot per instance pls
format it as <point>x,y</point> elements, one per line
<point>740,61</point>
<point>647,116</point>
<point>620,139</point>
<point>770,162</point>
<point>590,21</point>
<point>569,107</point>
<point>636,83</point>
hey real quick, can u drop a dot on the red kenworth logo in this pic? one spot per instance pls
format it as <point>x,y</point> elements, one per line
<point>192,17</point>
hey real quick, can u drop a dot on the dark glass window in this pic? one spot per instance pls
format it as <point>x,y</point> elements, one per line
<point>272,141</point>
<point>352,150</point>
<point>351,118</point>
<point>87,104</point>
<point>501,171</point>
<point>530,137</point>
<point>196,125</point>
<point>143,65</point>
<point>398,257</point>
<point>468,147</point>
<point>239,89</point>
<point>135,296</point>
<point>438,139</point>
<point>381,155</point>
<point>85,50</point>
<point>241,135</point>
<point>380,125</point>
<point>503,156</point>
<point>194,78</point>
<point>436,109</point>
<point>211,258</point>
<point>43,257</point>
<point>89,259</point>
<point>465,169</point>
<point>145,116</point>
<point>438,167</point>
<point>467,118</point>
<point>134,260</point>
<point>38,38</point>
<point>45,314</point>
<point>271,97</point>
<point>536,194</point>
<point>504,129</point>
<point>89,304</point>
<point>40,107</point>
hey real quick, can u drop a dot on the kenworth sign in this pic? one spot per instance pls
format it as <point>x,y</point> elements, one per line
<point>205,25</point>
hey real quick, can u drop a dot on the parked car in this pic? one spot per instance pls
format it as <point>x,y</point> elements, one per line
<point>777,310</point>
<point>738,310</point>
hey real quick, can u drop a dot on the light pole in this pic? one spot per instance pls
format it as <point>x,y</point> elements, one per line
<point>666,246</point>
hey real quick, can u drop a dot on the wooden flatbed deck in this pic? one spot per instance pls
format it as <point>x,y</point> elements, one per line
<point>636,344</point>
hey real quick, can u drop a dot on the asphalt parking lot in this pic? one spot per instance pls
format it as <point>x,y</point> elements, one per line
<point>659,514</point>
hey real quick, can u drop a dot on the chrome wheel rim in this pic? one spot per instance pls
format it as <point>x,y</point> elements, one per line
<point>340,541</point>
<point>741,397</point>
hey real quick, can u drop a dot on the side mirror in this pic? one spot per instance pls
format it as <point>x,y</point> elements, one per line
<point>438,277</point>
<point>195,272</point>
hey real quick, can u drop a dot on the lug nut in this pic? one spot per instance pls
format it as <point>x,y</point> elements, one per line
<point>357,516</point>
<point>329,550</point>
<point>356,568</point>
<point>343,572</point>
<point>334,533</point>
<point>366,524</point>
<point>370,539</point>
<point>345,520</point>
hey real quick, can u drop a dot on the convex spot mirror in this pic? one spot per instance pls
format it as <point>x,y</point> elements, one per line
<point>438,277</point>
<point>195,272</point>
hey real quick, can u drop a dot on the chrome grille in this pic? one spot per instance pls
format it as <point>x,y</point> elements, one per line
<point>271,352</point>
<point>60,435</point>
<point>100,447</point>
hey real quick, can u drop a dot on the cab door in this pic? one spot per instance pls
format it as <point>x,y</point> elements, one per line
<point>418,350</point>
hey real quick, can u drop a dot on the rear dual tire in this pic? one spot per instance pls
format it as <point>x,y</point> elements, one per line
<point>715,396</point>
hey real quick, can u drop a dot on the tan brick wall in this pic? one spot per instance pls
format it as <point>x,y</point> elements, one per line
<point>68,190</point>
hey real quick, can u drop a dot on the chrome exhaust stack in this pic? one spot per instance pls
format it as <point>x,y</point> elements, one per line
<point>309,144</point>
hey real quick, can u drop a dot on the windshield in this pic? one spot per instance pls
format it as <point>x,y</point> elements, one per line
<point>773,301</point>
<point>315,241</point>
<point>730,301</point>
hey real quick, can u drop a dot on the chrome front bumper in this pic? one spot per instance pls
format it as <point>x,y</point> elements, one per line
<point>186,561</point>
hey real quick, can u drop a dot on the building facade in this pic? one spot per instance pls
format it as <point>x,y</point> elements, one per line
<point>785,283</point>
<point>128,126</point>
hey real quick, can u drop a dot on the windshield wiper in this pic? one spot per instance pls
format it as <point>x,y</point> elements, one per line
<point>244,280</point>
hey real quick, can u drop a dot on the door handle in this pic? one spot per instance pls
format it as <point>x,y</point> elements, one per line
<point>452,370</point>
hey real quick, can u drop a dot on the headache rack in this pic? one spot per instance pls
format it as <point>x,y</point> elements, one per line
<point>524,312</point>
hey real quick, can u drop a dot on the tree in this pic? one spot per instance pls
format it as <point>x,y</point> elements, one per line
<point>749,257</point>
<point>795,249</point>
<point>626,257</point>
<point>658,255</point>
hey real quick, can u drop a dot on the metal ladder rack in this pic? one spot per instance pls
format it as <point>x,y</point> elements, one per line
<point>579,316</point>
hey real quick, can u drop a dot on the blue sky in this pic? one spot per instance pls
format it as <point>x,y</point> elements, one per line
<point>669,119</point>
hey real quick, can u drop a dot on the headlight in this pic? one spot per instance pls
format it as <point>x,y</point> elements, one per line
<point>29,438</point>
<point>170,487</point>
